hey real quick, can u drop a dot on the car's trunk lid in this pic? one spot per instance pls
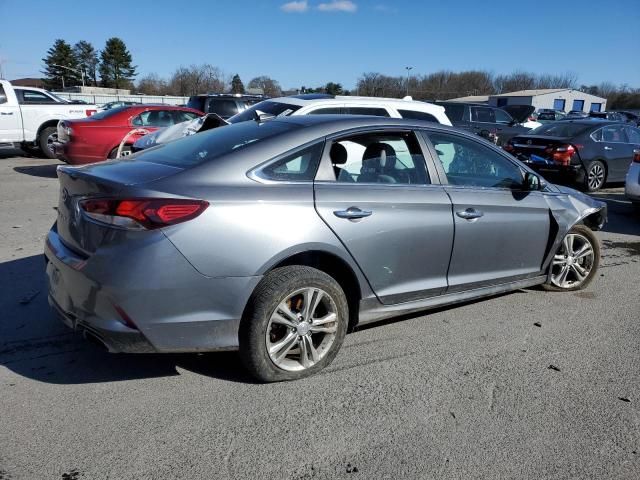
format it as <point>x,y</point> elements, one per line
<point>106,179</point>
<point>520,113</point>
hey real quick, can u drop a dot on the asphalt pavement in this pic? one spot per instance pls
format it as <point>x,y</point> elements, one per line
<point>528,385</point>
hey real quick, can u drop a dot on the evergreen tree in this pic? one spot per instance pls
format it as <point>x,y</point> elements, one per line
<point>87,59</point>
<point>236,84</point>
<point>58,56</point>
<point>116,70</point>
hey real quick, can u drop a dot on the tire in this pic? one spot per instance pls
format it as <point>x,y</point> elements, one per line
<point>45,139</point>
<point>595,176</point>
<point>114,152</point>
<point>575,266</point>
<point>260,333</point>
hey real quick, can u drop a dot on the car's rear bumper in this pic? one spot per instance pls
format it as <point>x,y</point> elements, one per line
<point>632,183</point>
<point>556,173</point>
<point>145,297</point>
<point>74,155</point>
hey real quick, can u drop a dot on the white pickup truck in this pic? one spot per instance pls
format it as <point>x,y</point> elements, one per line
<point>29,117</point>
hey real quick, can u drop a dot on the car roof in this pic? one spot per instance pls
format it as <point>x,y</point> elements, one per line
<point>323,99</point>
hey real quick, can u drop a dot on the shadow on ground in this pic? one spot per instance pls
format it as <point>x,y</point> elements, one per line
<point>36,345</point>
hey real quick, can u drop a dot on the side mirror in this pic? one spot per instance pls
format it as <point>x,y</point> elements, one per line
<point>533,182</point>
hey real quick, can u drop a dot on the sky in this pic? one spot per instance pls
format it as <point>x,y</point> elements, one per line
<point>312,42</point>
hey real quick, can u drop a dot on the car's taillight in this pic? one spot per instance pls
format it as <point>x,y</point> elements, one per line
<point>562,154</point>
<point>142,213</point>
<point>88,113</point>
<point>636,155</point>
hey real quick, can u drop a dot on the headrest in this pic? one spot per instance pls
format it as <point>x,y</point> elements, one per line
<point>338,154</point>
<point>381,151</point>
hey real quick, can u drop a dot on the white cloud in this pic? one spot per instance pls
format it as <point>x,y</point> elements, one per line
<point>300,6</point>
<point>338,6</point>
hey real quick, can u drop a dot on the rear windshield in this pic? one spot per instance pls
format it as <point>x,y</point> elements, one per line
<point>108,113</point>
<point>272,108</point>
<point>560,129</point>
<point>203,147</point>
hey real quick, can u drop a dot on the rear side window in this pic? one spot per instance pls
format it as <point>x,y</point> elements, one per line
<point>413,115</point>
<point>206,146</point>
<point>614,134</point>
<point>326,111</point>
<point>297,167</point>
<point>483,114</point>
<point>196,103</point>
<point>634,135</point>
<point>180,116</point>
<point>376,112</point>
<point>3,96</point>
<point>223,107</point>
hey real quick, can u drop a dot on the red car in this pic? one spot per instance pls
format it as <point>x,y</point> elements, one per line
<point>98,137</point>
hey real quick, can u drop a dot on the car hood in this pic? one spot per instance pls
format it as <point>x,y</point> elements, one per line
<point>520,113</point>
<point>179,130</point>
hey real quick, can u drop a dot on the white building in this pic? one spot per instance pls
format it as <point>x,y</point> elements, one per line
<point>564,99</point>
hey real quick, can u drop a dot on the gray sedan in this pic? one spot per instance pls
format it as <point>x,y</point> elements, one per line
<point>275,237</point>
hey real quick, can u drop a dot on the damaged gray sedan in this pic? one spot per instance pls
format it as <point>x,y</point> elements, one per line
<point>276,237</point>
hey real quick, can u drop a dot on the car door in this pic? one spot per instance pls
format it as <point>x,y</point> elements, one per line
<point>617,151</point>
<point>385,205</point>
<point>501,230</point>
<point>10,126</point>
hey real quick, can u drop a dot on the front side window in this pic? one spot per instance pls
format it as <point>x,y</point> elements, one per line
<point>376,112</point>
<point>35,97</point>
<point>467,162</point>
<point>483,114</point>
<point>634,135</point>
<point>614,134</point>
<point>154,118</point>
<point>502,117</point>
<point>297,167</point>
<point>414,115</point>
<point>390,158</point>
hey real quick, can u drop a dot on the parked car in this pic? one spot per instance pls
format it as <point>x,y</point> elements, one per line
<point>271,238</point>
<point>613,116</point>
<point>308,104</point>
<point>574,114</point>
<point>486,121</point>
<point>117,104</point>
<point>631,117</point>
<point>632,181</point>
<point>99,137</point>
<point>588,152</point>
<point>222,104</point>
<point>29,116</point>
<point>548,115</point>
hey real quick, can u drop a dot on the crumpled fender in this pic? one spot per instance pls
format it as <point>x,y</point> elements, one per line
<point>569,207</point>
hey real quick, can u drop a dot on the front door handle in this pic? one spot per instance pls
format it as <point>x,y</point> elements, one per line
<point>608,148</point>
<point>470,214</point>
<point>352,213</point>
<point>6,113</point>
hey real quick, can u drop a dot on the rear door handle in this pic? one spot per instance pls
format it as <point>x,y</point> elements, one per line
<point>608,148</point>
<point>352,213</point>
<point>470,214</point>
<point>6,113</point>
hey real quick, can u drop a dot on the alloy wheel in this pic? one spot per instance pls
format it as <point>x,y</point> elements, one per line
<point>595,177</point>
<point>573,262</point>
<point>50,141</point>
<point>302,329</point>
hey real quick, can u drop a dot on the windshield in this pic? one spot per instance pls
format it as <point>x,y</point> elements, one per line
<point>560,129</point>
<point>196,149</point>
<point>272,108</point>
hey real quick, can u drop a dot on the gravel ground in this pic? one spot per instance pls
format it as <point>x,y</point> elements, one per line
<point>526,385</point>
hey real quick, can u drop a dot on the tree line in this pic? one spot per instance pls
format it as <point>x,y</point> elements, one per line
<point>114,67</point>
<point>67,65</point>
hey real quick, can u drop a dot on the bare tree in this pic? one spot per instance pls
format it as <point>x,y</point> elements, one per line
<point>269,86</point>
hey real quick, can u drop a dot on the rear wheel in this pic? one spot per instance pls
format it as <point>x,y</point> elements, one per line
<point>294,325</point>
<point>595,176</point>
<point>45,140</point>
<point>126,151</point>
<point>576,262</point>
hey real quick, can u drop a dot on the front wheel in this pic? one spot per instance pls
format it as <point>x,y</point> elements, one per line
<point>45,140</point>
<point>294,325</point>
<point>576,262</point>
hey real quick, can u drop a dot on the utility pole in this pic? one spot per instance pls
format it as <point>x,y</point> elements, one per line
<point>77,70</point>
<point>408,70</point>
